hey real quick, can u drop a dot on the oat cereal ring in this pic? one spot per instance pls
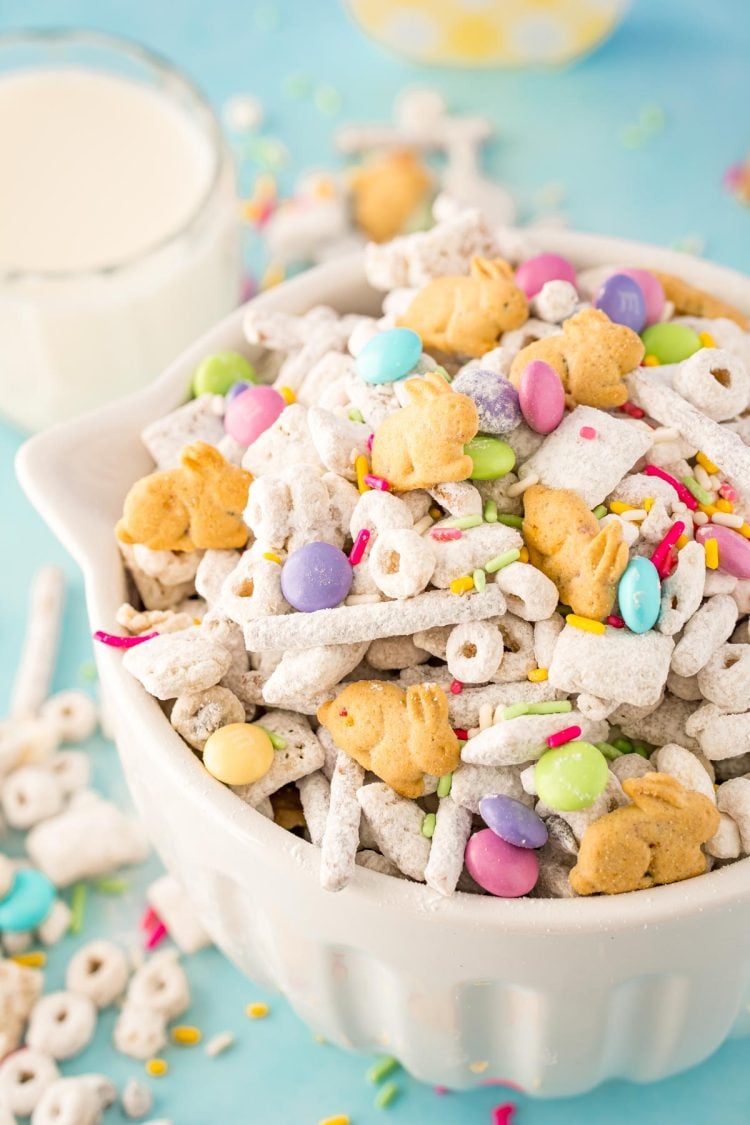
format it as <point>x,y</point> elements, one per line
<point>24,1076</point>
<point>287,442</point>
<point>98,970</point>
<point>716,381</point>
<point>252,591</point>
<point>708,629</point>
<point>546,632</point>
<point>61,1024</point>
<point>215,566</point>
<point>153,593</point>
<point>725,842</point>
<point>30,795</point>
<point>402,562</point>
<point>73,714</point>
<point>518,640</point>
<point>176,663</point>
<point>725,678</point>
<point>396,824</point>
<point>160,985</point>
<point>197,715</point>
<point>474,652</point>
<point>733,798</point>
<point>686,767</point>
<point>152,620</point>
<point>171,567</point>
<point>530,595</point>
<point>379,511</point>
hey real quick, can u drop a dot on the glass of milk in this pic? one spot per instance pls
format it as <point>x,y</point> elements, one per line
<point>119,239</point>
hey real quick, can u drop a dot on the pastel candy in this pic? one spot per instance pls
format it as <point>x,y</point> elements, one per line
<point>512,821</point>
<point>639,595</point>
<point>317,576</point>
<point>534,273</point>
<point>499,867</point>
<point>622,299</point>
<point>670,343</point>
<point>653,293</point>
<point>217,373</point>
<point>389,356</point>
<point>571,776</point>
<point>491,458</point>
<point>249,414</point>
<point>541,397</point>
<point>494,396</point>
<point>734,549</point>
<point>28,901</point>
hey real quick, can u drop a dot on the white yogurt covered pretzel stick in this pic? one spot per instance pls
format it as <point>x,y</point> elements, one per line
<point>397,826</point>
<point>523,739</point>
<point>37,659</point>
<point>357,623</point>
<point>341,835</point>
<point>315,796</point>
<point>452,830</point>
<point>374,861</point>
<point>301,755</point>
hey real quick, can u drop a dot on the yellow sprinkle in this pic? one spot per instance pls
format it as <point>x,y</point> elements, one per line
<point>272,557</point>
<point>524,555</point>
<point>681,542</point>
<point>650,361</point>
<point>745,530</point>
<point>157,1068</point>
<point>586,623</point>
<point>436,513</point>
<point>337,1119</point>
<point>478,1067</point>
<point>256,1011</point>
<point>705,462</point>
<point>711,550</point>
<point>288,395</point>
<point>197,620</point>
<point>619,506</point>
<point>537,675</point>
<point>362,467</point>
<point>186,1035</point>
<point>37,959</point>
<point>708,342</point>
<point>709,509</point>
<point>724,505</point>
<point>648,503</point>
<point>461,585</point>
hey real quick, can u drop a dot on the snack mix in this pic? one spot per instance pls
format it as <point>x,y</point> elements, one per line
<point>461,593</point>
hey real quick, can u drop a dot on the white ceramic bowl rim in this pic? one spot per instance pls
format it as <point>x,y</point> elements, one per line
<point>41,468</point>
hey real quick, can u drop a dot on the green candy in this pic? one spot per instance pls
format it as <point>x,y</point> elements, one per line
<point>571,776</point>
<point>670,343</point>
<point>217,373</point>
<point>492,458</point>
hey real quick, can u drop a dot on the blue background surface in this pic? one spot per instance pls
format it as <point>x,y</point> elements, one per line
<point>567,129</point>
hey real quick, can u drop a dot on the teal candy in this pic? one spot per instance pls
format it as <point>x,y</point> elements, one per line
<point>389,356</point>
<point>639,595</point>
<point>28,902</point>
<point>670,343</point>
<point>492,458</point>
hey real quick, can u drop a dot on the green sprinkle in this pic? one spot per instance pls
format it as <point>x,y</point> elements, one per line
<point>461,743</point>
<point>510,521</point>
<point>111,886</point>
<point>553,707</point>
<point>356,415</point>
<point>624,745</point>
<point>277,741</point>
<point>87,671</point>
<point>609,751</point>
<point>444,785</point>
<point>700,494</point>
<point>490,512</point>
<point>599,511</point>
<point>77,908</point>
<point>381,1068</point>
<point>480,579</point>
<point>386,1095</point>
<point>428,825</point>
<point>500,561</point>
<point>464,522</point>
<point>516,709</point>
<point>643,749</point>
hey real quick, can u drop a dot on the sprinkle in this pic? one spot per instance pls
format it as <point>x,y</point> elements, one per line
<point>111,886</point>
<point>650,361</point>
<point>480,580</point>
<point>77,908</point>
<point>706,463</point>
<point>287,394</point>
<point>490,512</point>
<point>422,525</point>
<point>462,585</point>
<point>619,507</point>
<point>337,1119</point>
<point>360,544</point>
<point>609,751</point>
<point>724,505</point>
<point>381,1068</point>
<point>707,339</point>
<point>599,511</point>
<point>711,550</point>
<point>586,623</point>
<point>157,1068</point>
<point>726,490</point>
<point>386,1095</point>
<point>464,522</point>
<point>725,519</point>
<point>631,409</point>
<point>520,486</point>
<point>87,671</point>
<point>273,275</point>
<point>456,687</point>
<point>149,919</point>
<point>745,530</point>
<point>514,710</point>
<point>684,494</point>
<point>643,749</point>
<point>356,415</point>
<point>624,745</point>
<point>661,554</point>
<point>445,534</point>
<point>707,509</point>
<point>524,555</point>
<point>186,1035</point>
<point>121,642</point>
<point>615,621</point>
<point>258,1010</point>
<point>218,1044</point>
<point>682,542</point>
<point>35,959</point>
<point>277,741</point>
<point>440,1090</point>
<point>462,734</point>
<point>428,825</point>
<point>156,936</point>
<point>374,481</point>
<point>503,560</point>
<point>446,781</point>
<point>503,1114</point>
<point>510,521</point>
<point>362,468</point>
<point>664,433</point>
<point>272,557</point>
<point>369,442</point>
<point>588,433</point>
<point>563,736</point>
<point>436,513</point>
<point>635,515</point>
<point>550,707</point>
<point>537,675</point>
<point>700,518</point>
<point>648,503</point>
<point>700,494</point>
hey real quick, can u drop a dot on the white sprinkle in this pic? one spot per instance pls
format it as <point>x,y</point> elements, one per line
<point>243,113</point>
<point>664,433</point>
<point>634,515</point>
<point>362,599</point>
<point>485,716</point>
<point>498,716</point>
<point>704,480</point>
<point>423,524</point>
<point>520,486</point>
<point>219,1043</point>
<point>700,518</point>
<point>726,519</point>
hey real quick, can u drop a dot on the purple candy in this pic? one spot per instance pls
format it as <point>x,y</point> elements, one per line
<point>237,389</point>
<point>317,576</point>
<point>501,868</point>
<point>621,298</point>
<point>734,549</point>
<point>513,822</point>
<point>494,396</point>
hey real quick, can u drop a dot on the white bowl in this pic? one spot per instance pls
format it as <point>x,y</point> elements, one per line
<point>555,995</point>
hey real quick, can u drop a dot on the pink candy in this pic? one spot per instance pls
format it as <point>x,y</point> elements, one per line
<point>653,294</point>
<point>541,397</point>
<point>501,868</point>
<point>252,412</point>
<point>536,272</point>
<point>734,549</point>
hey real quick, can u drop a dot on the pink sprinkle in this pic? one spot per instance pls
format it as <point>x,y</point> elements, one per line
<point>440,1090</point>
<point>370,440</point>
<point>615,621</point>
<point>726,490</point>
<point>360,543</point>
<point>684,494</point>
<point>563,736</point>
<point>377,482</point>
<point>503,1114</point>
<point>157,934</point>
<point>587,432</point>
<point>456,687</point>
<point>631,409</point>
<point>121,642</point>
<point>444,534</point>
<point>149,918</point>
<point>661,556</point>
<point>462,733</point>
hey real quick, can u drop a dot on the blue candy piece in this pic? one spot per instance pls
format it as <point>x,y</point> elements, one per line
<point>237,389</point>
<point>495,398</point>
<point>513,822</point>
<point>639,595</point>
<point>622,300</point>
<point>28,902</point>
<point>389,356</point>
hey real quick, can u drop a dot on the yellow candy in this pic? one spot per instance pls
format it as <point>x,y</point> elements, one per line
<point>586,623</point>
<point>186,1035</point>
<point>707,464</point>
<point>157,1068</point>
<point>238,754</point>
<point>537,675</point>
<point>257,1010</point>
<point>462,585</point>
<point>708,342</point>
